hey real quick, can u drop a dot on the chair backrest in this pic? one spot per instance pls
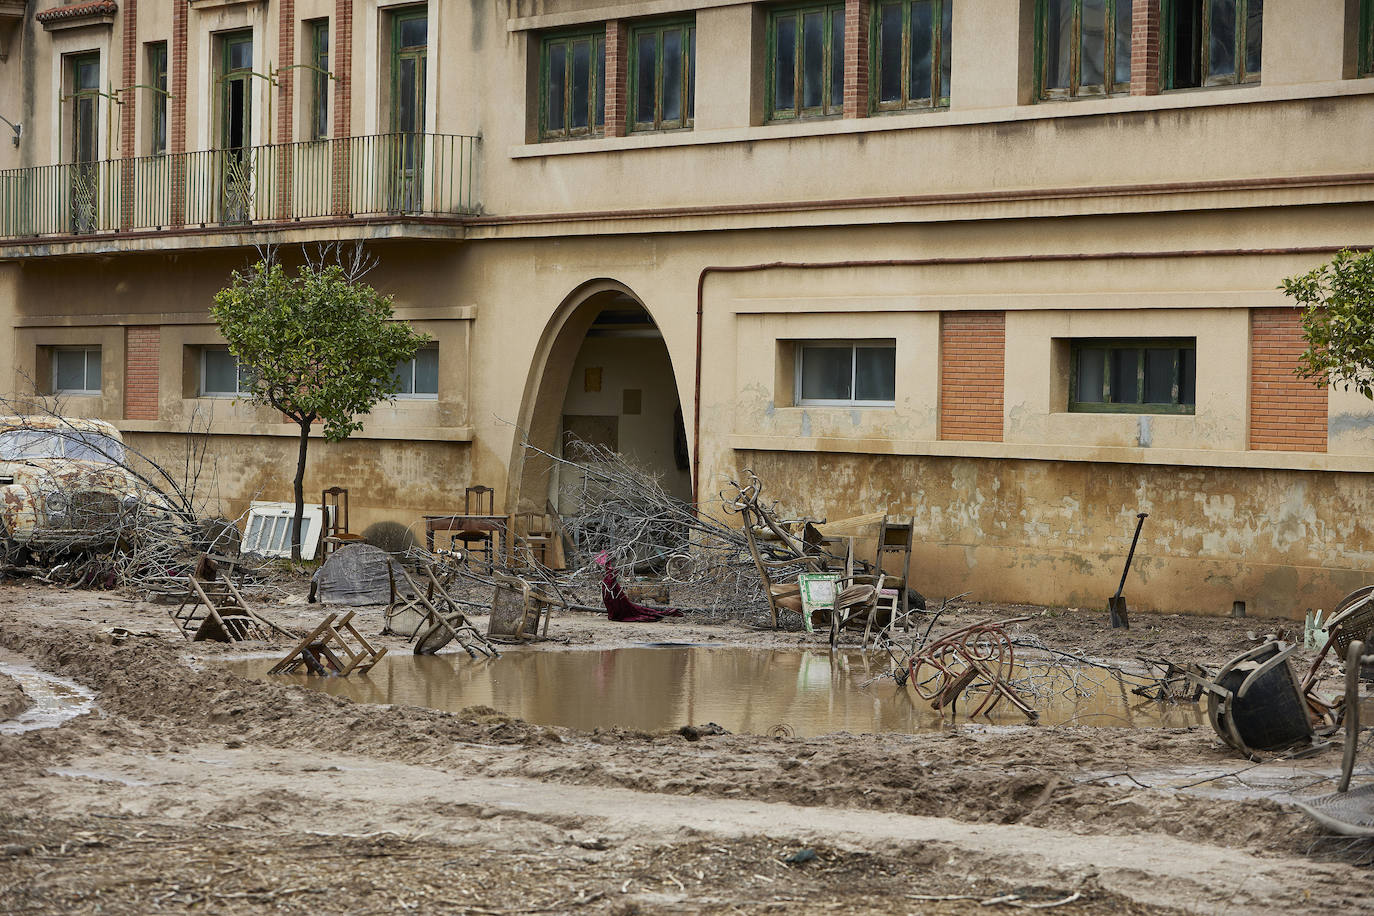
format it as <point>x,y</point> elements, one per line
<point>335,522</point>
<point>479,500</point>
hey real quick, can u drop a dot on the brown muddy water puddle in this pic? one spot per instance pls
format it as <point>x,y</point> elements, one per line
<point>746,691</point>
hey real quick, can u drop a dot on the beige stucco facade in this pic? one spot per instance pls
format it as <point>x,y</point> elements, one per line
<point>1172,215</point>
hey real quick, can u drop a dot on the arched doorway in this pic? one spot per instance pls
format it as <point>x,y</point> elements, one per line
<point>602,373</point>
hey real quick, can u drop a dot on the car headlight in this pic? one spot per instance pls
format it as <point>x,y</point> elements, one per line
<point>56,503</point>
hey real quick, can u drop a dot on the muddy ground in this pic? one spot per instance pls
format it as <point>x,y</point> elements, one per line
<point>191,788</point>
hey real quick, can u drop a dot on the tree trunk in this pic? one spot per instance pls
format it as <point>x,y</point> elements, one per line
<point>299,485</point>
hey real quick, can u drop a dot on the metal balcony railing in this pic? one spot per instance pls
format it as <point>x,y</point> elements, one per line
<point>396,175</point>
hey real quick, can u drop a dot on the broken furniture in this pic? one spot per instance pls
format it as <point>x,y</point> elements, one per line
<point>473,526</point>
<point>1256,704</point>
<point>516,609</point>
<point>1352,621</point>
<point>335,532</point>
<point>332,649</point>
<point>356,574</point>
<point>531,537</point>
<point>440,618</point>
<point>267,530</point>
<point>976,662</point>
<point>212,608</point>
<point>895,539</point>
<point>1347,812</point>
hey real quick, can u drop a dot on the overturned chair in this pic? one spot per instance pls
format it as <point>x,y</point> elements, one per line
<point>1348,812</point>
<point>1255,703</point>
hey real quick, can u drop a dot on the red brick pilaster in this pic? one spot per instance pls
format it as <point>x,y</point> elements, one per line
<point>141,372</point>
<point>341,62</point>
<point>617,73</point>
<point>972,375</point>
<point>127,118</point>
<point>286,77</point>
<point>286,97</point>
<point>856,58</point>
<point>1145,26</point>
<point>176,129</point>
<point>1287,413</point>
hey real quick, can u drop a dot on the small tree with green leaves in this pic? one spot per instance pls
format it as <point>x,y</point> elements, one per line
<point>1338,321</point>
<point>322,346</point>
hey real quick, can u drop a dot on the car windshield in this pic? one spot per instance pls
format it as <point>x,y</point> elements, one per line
<point>74,445</point>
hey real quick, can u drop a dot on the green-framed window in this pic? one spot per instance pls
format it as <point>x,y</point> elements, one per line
<point>1083,48</point>
<point>223,375</point>
<point>1134,375</point>
<point>806,61</point>
<point>573,85</point>
<point>1210,42</point>
<point>409,69</point>
<point>910,55</point>
<point>319,79</point>
<point>1365,52</point>
<point>157,101</point>
<point>83,79</point>
<point>663,75</point>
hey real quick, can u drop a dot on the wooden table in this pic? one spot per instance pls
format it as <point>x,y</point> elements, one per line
<point>497,525</point>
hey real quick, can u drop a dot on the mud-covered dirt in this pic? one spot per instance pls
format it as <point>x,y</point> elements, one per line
<point>13,699</point>
<point>194,787</point>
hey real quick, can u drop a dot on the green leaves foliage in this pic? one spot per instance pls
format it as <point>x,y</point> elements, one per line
<point>323,345</point>
<point>1338,321</point>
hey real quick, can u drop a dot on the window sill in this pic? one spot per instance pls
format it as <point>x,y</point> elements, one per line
<point>912,119</point>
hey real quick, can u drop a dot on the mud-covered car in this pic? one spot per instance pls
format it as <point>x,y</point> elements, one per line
<point>63,484</point>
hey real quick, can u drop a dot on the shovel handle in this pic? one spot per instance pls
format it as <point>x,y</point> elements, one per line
<point>1139,522</point>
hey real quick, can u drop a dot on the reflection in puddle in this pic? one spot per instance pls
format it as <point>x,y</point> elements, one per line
<point>744,690</point>
<point>55,699</point>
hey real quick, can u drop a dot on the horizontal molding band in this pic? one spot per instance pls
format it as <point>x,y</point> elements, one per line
<point>1023,451</point>
<point>289,430</point>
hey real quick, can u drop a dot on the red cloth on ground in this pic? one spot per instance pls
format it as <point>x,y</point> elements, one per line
<point>620,608</point>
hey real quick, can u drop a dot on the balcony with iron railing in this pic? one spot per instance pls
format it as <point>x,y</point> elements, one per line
<point>418,178</point>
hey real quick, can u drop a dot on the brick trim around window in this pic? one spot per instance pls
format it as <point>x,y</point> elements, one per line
<point>1145,47</point>
<point>856,41</point>
<point>972,375</point>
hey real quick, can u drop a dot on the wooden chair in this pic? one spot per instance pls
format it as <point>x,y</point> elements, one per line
<point>334,532</point>
<point>478,500</point>
<point>895,538</point>
<point>531,537</point>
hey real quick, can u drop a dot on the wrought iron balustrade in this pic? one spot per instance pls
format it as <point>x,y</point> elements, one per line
<point>397,175</point>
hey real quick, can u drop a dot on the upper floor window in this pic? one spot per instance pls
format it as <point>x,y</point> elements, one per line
<point>911,54</point>
<point>846,373</point>
<point>409,73</point>
<point>83,94</point>
<point>573,98</point>
<point>806,61</point>
<point>1210,42</point>
<point>236,90</point>
<point>1133,376</point>
<point>663,75</point>
<point>419,377</point>
<point>157,97</point>
<point>1085,47</point>
<point>319,79</point>
<point>76,370</point>
<point>1365,52</point>
<point>222,375</point>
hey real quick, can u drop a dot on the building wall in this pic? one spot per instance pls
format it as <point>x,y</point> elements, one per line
<point>982,238</point>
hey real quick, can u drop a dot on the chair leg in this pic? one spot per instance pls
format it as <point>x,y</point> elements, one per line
<point>1352,711</point>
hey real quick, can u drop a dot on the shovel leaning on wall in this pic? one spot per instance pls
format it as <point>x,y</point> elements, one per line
<point>1116,605</point>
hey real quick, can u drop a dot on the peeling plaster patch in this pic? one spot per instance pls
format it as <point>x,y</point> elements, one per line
<point>855,418</point>
<point>971,558</point>
<point>1144,431</point>
<point>806,423</point>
